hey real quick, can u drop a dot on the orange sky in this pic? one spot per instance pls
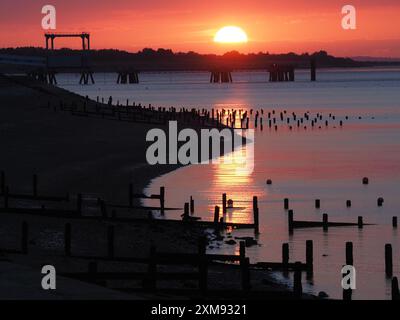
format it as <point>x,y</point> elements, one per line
<point>182,25</point>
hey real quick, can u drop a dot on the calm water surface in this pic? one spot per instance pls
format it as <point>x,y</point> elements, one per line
<point>304,164</point>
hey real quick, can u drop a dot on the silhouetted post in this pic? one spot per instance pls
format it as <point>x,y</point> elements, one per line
<point>394,222</point>
<point>110,242</point>
<point>348,203</point>
<point>216,217</point>
<point>79,204</point>
<point>388,260</point>
<point>130,196</point>
<point>309,255</point>
<point>24,238</point>
<point>297,286</point>
<point>313,70</point>
<point>285,254</point>
<point>2,182</point>
<point>242,250</point>
<point>349,253</point>
<point>191,205</point>
<point>162,200</point>
<point>325,222</point>
<point>347,293</point>
<point>34,185</point>
<point>290,221</point>
<point>67,239</point>
<point>224,203</point>
<point>360,222</point>
<point>6,197</point>
<point>395,289</point>
<point>286,203</point>
<point>244,264</point>
<point>380,201</point>
<point>255,215</point>
<point>203,268</point>
<point>317,203</point>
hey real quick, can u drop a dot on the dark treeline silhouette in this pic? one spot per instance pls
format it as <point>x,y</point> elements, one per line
<point>167,60</point>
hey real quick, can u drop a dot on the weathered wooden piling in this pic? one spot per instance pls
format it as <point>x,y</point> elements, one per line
<point>309,255</point>
<point>255,215</point>
<point>360,222</point>
<point>317,203</point>
<point>365,180</point>
<point>349,253</point>
<point>395,289</point>
<point>297,285</point>
<point>162,200</point>
<point>380,201</point>
<point>110,242</point>
<point>285,254</point>
<point>325,222</point>
<point>191,205</point>
<point>242,250</point>
<point>286,203</point>
<point>224,203</point>
<point>290,221</point>
<point>216,216</point>
<point>269,182</point>
<point>67,239</point>
<point>24,238</point>
<point>313,70</point>
<point>388,260</point>
<point>394,222</point>
<point>348,203</point>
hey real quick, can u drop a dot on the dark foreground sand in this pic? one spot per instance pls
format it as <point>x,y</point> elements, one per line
<point>90,156</point>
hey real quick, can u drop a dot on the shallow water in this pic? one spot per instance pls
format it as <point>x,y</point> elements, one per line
<point>304,164</point>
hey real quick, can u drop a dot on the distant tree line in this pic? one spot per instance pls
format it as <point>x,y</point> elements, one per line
<point>167,60</point>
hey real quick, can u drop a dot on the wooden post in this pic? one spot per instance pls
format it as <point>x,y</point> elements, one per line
<point>395,289</point>
<point>224,203</point>
<point>286,203</point>
<point>191,205</point>
<point>325,222</point>
<point>79,204</point>
<point>24,238</point>
<point>162,200</point>
<point>348,203</point>
<point>309,255</point>
<point>388,260</point>
<point>297,286</point>
<point>290,221</point>
<point>285,254</point>
<point>255,215</point>
<point>110,242</point>
<point>360,222</point>
<point>67,239</point>
<point>242,250</point>
<point>216,215</point>
<point>349,253</point>
<point>203,267</point>
<point>130,195</point>
<point>34,185</point>
<point>244,265</point>
<point>313,70</point>
<point>317,203</point>
<point>394,222</point>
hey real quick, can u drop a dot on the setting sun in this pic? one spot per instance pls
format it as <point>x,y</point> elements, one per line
<point>230,34</point>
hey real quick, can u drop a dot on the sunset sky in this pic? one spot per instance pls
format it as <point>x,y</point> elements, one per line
<point>182,25</point>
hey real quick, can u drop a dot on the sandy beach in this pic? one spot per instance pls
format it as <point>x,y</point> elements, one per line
<point>95,157</point>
